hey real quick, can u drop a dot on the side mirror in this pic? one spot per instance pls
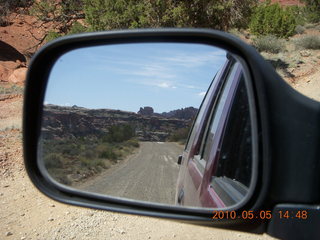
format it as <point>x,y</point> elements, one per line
<point>106,114</point>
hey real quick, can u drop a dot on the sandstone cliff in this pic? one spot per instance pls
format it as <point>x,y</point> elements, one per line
<point>63,122</point>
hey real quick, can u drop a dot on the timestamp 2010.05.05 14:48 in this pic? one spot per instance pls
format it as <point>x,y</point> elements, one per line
<point>261,214</point>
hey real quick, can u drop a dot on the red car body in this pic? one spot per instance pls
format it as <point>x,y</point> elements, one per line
<point>206,177</point>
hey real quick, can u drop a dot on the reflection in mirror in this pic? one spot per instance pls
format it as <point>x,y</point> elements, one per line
<point>116,118</point>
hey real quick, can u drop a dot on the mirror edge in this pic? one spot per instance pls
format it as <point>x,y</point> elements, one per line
<point>35,90</point>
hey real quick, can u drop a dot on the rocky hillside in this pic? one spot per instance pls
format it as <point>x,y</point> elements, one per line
<point>187,113</point>
<point>69,122</point>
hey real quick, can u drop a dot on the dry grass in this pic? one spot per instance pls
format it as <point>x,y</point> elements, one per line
<point>308,42</point>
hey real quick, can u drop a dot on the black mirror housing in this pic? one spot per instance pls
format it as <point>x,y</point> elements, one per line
<point>287,124</point>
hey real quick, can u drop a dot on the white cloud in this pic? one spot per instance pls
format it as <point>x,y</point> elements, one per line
<point>165,85</point>
<point>188,60</point>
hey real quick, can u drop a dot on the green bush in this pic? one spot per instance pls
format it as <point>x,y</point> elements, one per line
<point>53,160</point>
<point>90,154</point>
<point>67,148</point>
<point>77,28</point>
<point>120,14</point>
<point>312,10</point>
<point>269,44</point>
<point>43,9</point>
<point>92,163</point>
<point>299,14</point>
<point>12,4</point>
<point>179,135</point>
<point>309,42</point>
<point>119,133</point>
<point>52,35</point>
<point>271,19</point>
<point>7,6</point>
<point>108,154</point>
<point>133,143</point>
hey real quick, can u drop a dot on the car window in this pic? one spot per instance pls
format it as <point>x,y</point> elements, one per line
<point>217,114</point>
<point>235,160</point>
<point>231,175</point>
<point>201,112</point>
<point>202,156</point>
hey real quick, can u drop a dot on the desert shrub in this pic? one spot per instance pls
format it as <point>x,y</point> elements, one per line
<point>93,163</point>
<point>77,28</point>
<point>89,154</point>
<point>71,7</point>
<point>7,6</point>
<point>52,35</point>
<point>179,135</point>
<point>13,89</point>
<point>108,153</point>
<point>65,13</point>
<point>17,3</point>
<point>133,143</point>
<point>119,14</point>
<point>272,19</point>
<point>235,32</point>
<point>309,42</point>
<point>43,9</point>
<point>4,12</point>
<point>119,133</point>
<point>59,175</point>
<point>299,29</point>
<point>269,44</point>
<point>299,14</point>
<point>312,10</point>
<point>12,127</point>
<point>53,160</point>
<point>67,148</point>
<point>309,25</point>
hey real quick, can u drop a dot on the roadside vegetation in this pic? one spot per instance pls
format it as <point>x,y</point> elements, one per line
<point>75,159</point>
<point>10,89</point>
<point>269,23</point>
<point>76,16</point>
<point>180,135</point>
<point>8,6</point>
<point>269,43</point>
<point>309,42</point>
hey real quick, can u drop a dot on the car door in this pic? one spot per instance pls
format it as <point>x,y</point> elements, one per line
<point>209,178</point>
<point>227,147</point>
<point>190,174</point>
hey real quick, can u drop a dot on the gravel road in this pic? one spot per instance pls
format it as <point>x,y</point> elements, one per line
<point>149,175</point>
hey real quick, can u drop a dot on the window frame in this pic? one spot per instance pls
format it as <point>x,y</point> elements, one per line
<point>197,157</point>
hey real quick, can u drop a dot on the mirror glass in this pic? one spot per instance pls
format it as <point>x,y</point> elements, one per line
<point>159,122</point>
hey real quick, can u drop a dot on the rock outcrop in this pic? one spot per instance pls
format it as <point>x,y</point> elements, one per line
<point>18,76</point>
<point>183,113</point>
<point>62,122</point>
<point>147,111</point>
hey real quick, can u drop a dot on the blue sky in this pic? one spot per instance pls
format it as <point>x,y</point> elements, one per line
<point>165,76</point>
